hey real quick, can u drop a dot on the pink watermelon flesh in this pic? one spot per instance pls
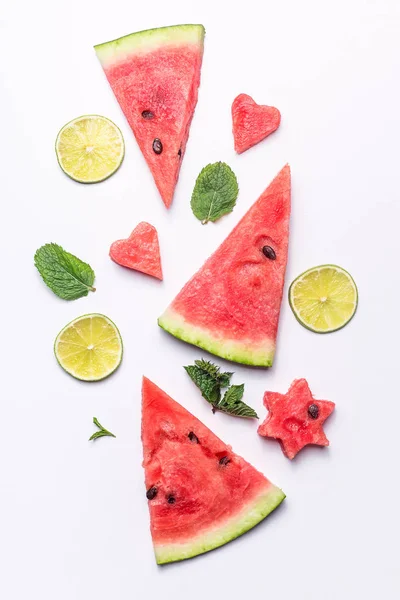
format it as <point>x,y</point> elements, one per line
<point>231,306</point>
<point>140,251</point>
<point>155,75</point>
<point>296,418</point>
<point>252,122</point>
<point>200,493</point>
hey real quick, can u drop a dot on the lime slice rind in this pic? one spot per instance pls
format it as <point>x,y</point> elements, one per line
<point>89,364</point>
<point>108,155</point>
<point>341,302</point>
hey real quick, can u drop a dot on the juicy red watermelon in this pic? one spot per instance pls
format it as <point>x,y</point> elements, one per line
<point>231,306</point>
<point>140,251</point>
<point>296,418</point>
<point>201,494</point>
<point>252,122</point>
<point>155,75</point>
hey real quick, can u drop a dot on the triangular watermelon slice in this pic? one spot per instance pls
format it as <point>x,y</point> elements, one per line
<point>201,494</point>
<point>155,75</point>
<point>231,306</point>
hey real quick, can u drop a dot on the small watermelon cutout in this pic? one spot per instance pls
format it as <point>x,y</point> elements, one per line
<point>200,494</point>
<point>141,251</point>
<point>296,418</point>
<point>155,75</point>
<point>252,122</point>
<point>231,306</point>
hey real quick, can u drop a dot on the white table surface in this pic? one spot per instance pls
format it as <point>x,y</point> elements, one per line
<point>73,515</point>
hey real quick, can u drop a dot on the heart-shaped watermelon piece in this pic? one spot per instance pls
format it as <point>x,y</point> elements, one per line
<point>141,251</point>
<point>252,122</point>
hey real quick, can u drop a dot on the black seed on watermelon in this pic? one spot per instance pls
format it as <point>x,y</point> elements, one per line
<point>171,500</point>
<point>313,411</point>
<point>147,114</point>
<point>151,493</point>
<point>224,461</point>
<point>179,152</point>
<point>269,252</point>
<point>157,146</point>
<point>193,437</point>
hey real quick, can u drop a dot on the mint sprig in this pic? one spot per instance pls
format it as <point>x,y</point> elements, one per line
<point>103,431</point>
<point>210,381</point>
<point>208,385</point>
<point>65,274</point>
<point>214,193</point>
<point>232,403</point>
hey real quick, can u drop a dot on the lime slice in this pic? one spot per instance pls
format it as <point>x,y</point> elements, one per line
<point>90,148</point>
<point>324,298</point>
<point>89,348</point>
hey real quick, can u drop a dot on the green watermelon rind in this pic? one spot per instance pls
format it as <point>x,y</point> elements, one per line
<point>253,513</point>
<point>235,351</point>
<point>147,40</point>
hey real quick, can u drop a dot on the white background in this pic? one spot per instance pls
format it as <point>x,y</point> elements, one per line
<point>73,515</point>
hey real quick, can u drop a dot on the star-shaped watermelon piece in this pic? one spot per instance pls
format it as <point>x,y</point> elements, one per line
<point>296,418</point>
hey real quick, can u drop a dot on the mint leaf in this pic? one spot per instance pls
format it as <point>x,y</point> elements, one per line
<point>210,380</point>
<point>208,367</point>
<point>103,432</point>
<point>65,274</point>
<point>215,192</point>
<point>225,379</point>
<point>232,403</point>
<point>207,384</point>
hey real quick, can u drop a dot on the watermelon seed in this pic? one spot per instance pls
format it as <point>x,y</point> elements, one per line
<point>151,493</point>
<point>313,411</point>
<point>171,500</point>
<point>193,437</point>
<point>179,152</point>
<point>147,114</point>
<point>269,252</point>
<point>157,146</point>
<point>224,461</point>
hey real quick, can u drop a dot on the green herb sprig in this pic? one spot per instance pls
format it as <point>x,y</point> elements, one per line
<point>211,381</point>
<point>103,431</point>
